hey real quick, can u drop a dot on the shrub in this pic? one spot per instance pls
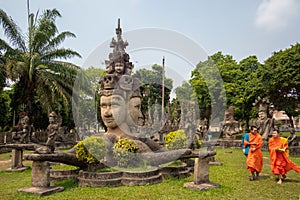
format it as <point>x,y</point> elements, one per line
<point>175,140</point>
<point>124,152</point>
<point>91,150</point>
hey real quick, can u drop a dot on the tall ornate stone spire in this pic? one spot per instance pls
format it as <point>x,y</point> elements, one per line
<point>118,70</point>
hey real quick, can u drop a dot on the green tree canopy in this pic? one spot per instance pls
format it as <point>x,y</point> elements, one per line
<point>280,78</point>
<point>151,85</point>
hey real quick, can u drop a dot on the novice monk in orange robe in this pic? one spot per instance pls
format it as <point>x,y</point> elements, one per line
<point>279,160</point>
<point>255,158</point>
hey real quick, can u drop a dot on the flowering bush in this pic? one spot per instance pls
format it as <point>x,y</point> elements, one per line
<point>124,152</point>
<point>175,140</point>
<point>91,150</point>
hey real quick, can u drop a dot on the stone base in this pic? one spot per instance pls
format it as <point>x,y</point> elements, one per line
<point>20,169</point>
<point>42,191</point>
<point>202,186</point>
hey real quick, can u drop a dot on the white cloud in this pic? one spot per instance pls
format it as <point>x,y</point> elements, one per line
<point>276,14</point>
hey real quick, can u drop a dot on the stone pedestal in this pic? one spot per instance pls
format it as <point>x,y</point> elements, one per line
<point>40,174</point>
<point>17,161</point>
<point>201,173</point>
<point>41,180</point>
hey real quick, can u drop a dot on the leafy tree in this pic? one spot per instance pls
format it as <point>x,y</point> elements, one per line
<point>207,81</point>
<point>151,85</point>
<point>34,62</point>
<point>249,88</point>
<point>280,78</point>
<point>86,102</point>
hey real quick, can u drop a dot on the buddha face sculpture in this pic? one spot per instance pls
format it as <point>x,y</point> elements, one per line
<point>113,110</point>
<point>135,116</point>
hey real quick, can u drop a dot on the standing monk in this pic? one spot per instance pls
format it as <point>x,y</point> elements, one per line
<point>279,160</point>
<point>254,158</point>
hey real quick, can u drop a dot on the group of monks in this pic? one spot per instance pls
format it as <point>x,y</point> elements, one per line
<point>278,148</point>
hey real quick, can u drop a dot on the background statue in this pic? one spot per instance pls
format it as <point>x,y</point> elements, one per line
<point>52,131</point>
<point>23,132</point>
<point>229,127</point>
<point>264,123</point>
<point>292,138</point>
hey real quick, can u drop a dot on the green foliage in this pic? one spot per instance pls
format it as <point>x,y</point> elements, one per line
<point>175,140</point>
<point>280,77</point>
<point>35,61</point>
<point>91,150</point>
<point>151,82</point>
<point>124,152</point>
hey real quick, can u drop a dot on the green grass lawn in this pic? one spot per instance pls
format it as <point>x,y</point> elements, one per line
<point>232,176</point>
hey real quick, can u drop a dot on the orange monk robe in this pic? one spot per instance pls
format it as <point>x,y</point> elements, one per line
<point>279,160</point>
<point>255,158</point>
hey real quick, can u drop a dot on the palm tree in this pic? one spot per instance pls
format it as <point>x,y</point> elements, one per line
<point>34,61</point>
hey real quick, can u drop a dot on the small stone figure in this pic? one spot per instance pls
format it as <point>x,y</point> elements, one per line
<point>52,131</point>
<point>229,127</point>
<point>202,129</point>
<point>264,124</point>
<point>292,139</point>
<point>22,132</point>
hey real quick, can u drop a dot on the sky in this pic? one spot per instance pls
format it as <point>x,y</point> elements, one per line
<point>178,30</point>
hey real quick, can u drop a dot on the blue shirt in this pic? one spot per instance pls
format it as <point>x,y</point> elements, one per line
<point>245,137</point>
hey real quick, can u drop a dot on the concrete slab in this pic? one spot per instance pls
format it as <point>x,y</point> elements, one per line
<point>202,186</point>
<point>20,169</point>
<point>42,191</point>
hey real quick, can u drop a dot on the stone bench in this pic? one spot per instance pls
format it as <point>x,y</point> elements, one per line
<point>17,156</point>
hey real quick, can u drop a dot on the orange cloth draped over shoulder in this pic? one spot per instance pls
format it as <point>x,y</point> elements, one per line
<point>255,158</point>
<point>279,160</point>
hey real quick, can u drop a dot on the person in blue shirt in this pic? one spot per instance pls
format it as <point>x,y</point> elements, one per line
<point>246,148</point>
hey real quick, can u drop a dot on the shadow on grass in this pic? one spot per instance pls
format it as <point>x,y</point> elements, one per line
<point>67,184</point>
<point>264,177</point>
<point>291,180</point>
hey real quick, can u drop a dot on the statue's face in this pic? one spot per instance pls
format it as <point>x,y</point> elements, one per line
<point>24,121</point>
<point>113,110</point>
<point>262,115</point>
<point>119,67</point>
<point>228,116</point>
<point>135,117</point>
<point>51,119</point>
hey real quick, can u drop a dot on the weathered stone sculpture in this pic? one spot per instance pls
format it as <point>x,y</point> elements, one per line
<point>292,138</point>
<point>229,127</point>
<point>23,131</point>
<point>52,131</point>
<point>120,103</point>
<point>264,124</point>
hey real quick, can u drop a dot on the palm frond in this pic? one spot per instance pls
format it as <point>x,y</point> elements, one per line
<point>60,54</point>
<point>56,41</point>
<point>50,14</point>
<point>53,84</point>
<point>12,31</point>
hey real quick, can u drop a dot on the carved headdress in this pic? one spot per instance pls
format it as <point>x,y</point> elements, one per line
<point>114,83</point>
<point>262,104</point>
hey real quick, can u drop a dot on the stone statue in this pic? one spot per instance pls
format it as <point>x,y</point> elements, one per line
<point>229,127</point>
<point>264,124</point>
<point>52,131</point>
<point>292,138</point>
<point>120,100</point>
<point>203,129</point>
<point>23,132</point>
